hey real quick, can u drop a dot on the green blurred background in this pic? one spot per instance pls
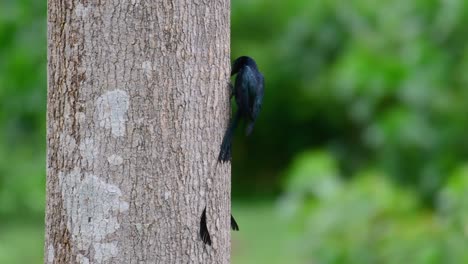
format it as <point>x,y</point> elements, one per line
<point>360,154</point>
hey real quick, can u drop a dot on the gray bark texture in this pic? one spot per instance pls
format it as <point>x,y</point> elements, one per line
<point>137,107</point>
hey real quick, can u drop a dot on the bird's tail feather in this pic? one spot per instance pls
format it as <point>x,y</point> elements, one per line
<point>234,225</point>
<point>204,234</point>
<point>225,152</point>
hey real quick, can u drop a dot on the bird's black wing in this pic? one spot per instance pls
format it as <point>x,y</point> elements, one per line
<point>256,94</point>
<point>243,81</point>
<point>258,98</point>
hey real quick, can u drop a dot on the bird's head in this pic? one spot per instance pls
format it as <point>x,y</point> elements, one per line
<point>241,62</point>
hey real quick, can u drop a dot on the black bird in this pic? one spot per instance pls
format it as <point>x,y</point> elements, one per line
<point>205,235</point>
<point>248,92</point>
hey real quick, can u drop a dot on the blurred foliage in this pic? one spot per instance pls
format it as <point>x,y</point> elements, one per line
<point>369,219</point>
<point>365,117</point>
<point>22,108</point>
<point>362,135</point>
<point>23,36</point>
<point>376,83</point>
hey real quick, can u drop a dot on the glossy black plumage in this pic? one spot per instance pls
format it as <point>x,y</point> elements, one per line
<point>234,225</point>
<point>248,92</point>
<point>205,235</point>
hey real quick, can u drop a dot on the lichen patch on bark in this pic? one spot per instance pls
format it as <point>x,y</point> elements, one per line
<point>92,206</point>
<point>111,111</point>
<point>50,254</point>
<point>115,160</point>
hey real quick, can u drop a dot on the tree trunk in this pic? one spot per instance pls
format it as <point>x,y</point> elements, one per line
<point>137,107</point>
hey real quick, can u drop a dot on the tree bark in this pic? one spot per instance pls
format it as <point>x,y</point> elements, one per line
<point>137,107</point>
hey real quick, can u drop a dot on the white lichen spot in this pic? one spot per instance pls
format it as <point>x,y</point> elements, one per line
<point>115,160</point>
<point>111,110</point>
<point>105,251</point>
<point>82,259</point>
<point>147,68</point>
<point>88,150</point>
<point>67,141</point>
<point>50,254</point>
<point>80,116</point>
<point>139,227</point>
<point>81,10</point>
<point>167,195</point>
<point>92,206</point>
